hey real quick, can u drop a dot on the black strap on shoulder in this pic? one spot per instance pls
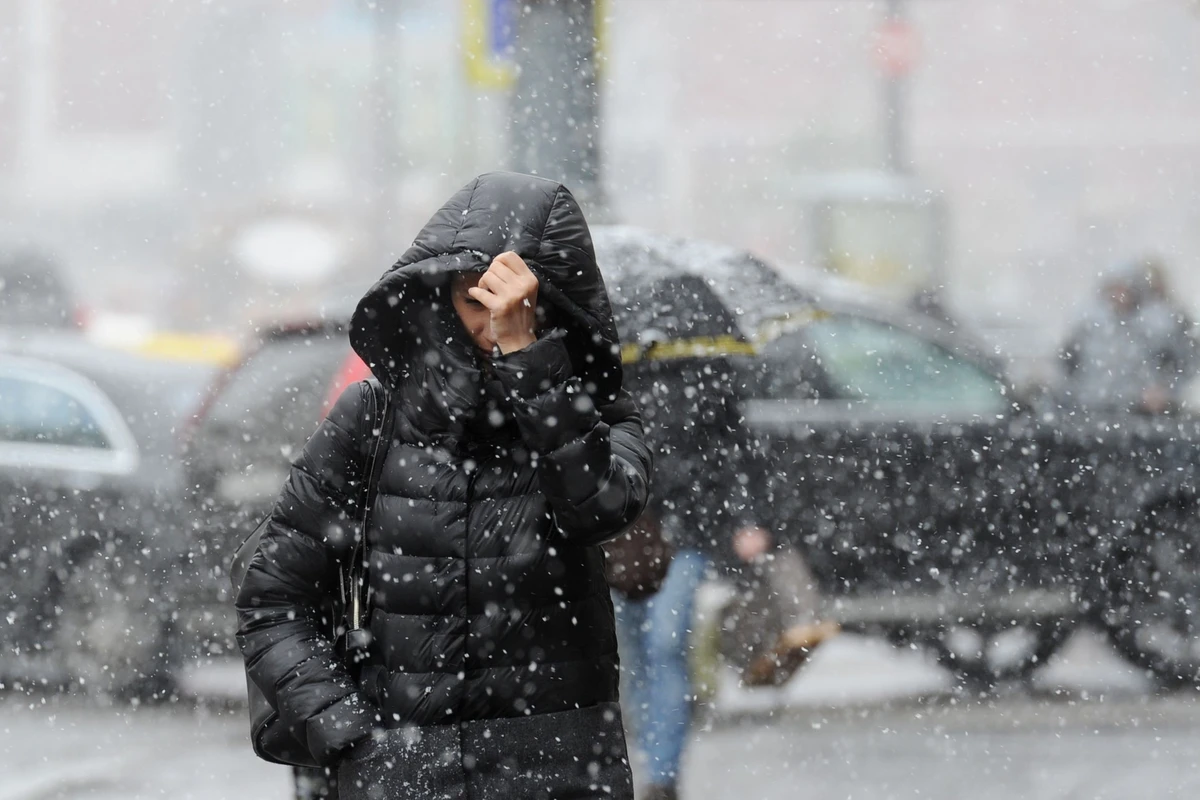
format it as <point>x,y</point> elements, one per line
<point>382,424</point>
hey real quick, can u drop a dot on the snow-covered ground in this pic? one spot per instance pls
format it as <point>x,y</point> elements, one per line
<point>64,747</point>
<point>862,720</point>
<point>1119,748</point>
<point>855,670</point>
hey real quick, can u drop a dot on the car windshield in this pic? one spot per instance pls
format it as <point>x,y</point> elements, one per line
<point>278,391</point>
<point>862,359</point>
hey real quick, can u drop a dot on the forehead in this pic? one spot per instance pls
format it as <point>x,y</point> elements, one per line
<point>465,280</point>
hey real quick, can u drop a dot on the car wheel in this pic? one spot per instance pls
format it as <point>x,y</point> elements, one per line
<point>106,635</point>
<point>985,655</point>
<point>1152,613</point>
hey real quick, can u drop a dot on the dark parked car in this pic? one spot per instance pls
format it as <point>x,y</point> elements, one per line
<point>936,506</point>
<point>90,481</point>
<point>933,503</point>
<point>238,449</point>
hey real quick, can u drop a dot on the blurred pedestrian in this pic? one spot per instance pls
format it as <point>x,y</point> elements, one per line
<point>1134,350</point>
<point>1168,324</point>
<point>492,667</point>
<point>710,483</point>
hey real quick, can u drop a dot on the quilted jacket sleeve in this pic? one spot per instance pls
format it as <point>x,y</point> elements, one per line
<point>593,463</point>
<point>288,653</point>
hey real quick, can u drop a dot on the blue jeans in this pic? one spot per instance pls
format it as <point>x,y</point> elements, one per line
<point>654,664</point>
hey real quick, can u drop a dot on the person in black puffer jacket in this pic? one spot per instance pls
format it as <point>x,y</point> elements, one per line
<point>493,667</point>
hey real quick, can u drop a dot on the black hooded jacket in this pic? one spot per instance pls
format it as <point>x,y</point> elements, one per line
<point>489,609</point>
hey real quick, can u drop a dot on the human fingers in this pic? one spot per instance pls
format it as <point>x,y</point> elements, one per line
<point>499,276</point>
<point>488,299</point>
<point>512,269</point>
<point>513,273</point>
<point>498,284</point>
<point>504,279</point>
<point>512,262</point>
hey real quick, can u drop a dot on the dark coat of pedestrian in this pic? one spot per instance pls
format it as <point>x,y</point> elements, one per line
<point>710,478</point>
<point>493,669</point>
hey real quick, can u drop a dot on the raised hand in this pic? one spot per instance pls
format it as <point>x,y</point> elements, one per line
<point>509,292</point>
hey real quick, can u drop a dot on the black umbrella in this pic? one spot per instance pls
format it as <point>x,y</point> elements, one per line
<point>684,297</point>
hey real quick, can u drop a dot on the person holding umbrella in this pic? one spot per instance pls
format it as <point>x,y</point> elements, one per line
<point>685,360</point>
<point>704,468</point>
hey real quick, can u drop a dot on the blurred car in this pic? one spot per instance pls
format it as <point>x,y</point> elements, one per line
<point>33,293</point>
<point>940,508</point>
<point>91,482</point>
<point>238,448</point>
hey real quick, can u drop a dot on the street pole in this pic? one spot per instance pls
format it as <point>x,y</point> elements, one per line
<point>385,160</point>
<point>554,112</point>
<point>894,97</point>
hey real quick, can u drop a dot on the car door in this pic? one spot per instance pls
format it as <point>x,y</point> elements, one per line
<point>887,445</point>
<point>63,446</point>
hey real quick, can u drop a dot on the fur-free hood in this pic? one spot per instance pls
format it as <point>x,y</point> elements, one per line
<point>395,322</point>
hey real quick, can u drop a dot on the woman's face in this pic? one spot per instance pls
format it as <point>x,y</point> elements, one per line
<point>474,315</point>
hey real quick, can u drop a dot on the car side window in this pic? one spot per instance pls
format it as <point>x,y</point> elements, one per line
<point>868,360</point>
<point>32,412</point>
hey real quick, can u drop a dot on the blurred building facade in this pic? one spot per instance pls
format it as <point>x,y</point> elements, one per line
<point>139,139</point>
<point>1061,136</point>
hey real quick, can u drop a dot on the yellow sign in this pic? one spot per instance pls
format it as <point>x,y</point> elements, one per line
<point>204,348</point>
<point>489,29</point>
<point>490,35</point>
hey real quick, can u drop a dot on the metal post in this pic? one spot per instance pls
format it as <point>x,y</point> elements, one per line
<point>894,107</point>
<point>385,158</point>
<point>555,103</point>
